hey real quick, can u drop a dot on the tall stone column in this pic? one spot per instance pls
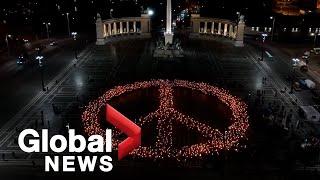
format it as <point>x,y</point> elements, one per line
<point>109,29</point>
<point>168,35</point>
<point>205,27</point>
<point>115,28</point>
<point>219,28</point>
<point>128,27</point>
<point>99,31</point>
<point>225,30</point>
<point>240,32</point>
<point>230,30</point>
<point>135,26</point>
<point>121,28</point>
<point>169,18</point>
<point>212,28</point>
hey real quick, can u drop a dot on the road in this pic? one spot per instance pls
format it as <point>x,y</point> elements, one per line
<point>20,83</point>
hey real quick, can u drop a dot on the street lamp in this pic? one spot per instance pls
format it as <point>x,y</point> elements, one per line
<point>264,36</point>
<point>74,35</point>
<point>7,41</point>
<point>273,23</point>
<point>39,58</point>
<point>111,11</point>
<point>315,38</point>
<point>238,15</point>
<point>68,22</point>
<point>47,27</point>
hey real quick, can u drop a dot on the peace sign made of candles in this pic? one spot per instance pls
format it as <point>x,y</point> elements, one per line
<point>167,116</point>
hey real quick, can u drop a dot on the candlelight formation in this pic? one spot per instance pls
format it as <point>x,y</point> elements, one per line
<point>166,115</point>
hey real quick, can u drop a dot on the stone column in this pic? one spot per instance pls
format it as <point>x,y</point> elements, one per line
<point>134,26</point>
<point>99,31</point>
<point>105,30</point>
<point>168,35</point>
<point>169,18</point>
<point>240,32</point>
<point>115,28</point>
<point>205,27</point>
<point>121,28</point>
<point>212,28</point>
<point>219,28</point>
<point>230,30</point>
<point>225,30</point>
<point>109,29</point>
<point>128,30</point>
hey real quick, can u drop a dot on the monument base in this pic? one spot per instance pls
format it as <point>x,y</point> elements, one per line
<point>100,42</point>
<point>238,43</point>
<point>168,53</point>
<point>168,38</point>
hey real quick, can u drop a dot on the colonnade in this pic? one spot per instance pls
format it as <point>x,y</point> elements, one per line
<point>220,27</point>
<point>122,26</point>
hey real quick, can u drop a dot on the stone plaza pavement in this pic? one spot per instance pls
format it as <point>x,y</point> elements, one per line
<point>101,67</point>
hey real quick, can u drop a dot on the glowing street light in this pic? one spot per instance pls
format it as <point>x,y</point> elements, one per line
<point>315,38</point>
<point>150,12</point>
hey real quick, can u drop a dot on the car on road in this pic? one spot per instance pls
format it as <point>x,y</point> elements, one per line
<point>53,43</point>
<point>39,48</point>
<point>23,59</point>
<point>305,57</point>
<point>316,51</point>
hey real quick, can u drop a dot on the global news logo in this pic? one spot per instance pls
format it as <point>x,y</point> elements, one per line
<point>30,141</point>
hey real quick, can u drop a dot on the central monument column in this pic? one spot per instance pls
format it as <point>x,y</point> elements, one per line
<point>168,35</point>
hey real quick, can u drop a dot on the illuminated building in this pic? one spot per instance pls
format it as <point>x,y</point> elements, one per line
<point>286,7</point>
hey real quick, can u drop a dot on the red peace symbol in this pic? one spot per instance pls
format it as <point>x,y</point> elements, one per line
<point>166,114</point>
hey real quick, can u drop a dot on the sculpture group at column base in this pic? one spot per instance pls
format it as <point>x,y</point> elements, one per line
<point>168,53</point>
<point>239,43</point>
<point>173,50</point>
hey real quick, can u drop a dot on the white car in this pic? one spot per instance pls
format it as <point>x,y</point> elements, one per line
<point>305,57</point>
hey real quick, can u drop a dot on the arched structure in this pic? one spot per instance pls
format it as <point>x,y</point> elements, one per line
<point>219,27</point>
<point>106,29</point>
